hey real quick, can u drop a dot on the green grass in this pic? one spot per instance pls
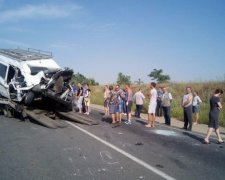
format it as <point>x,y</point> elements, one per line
<point>177,90</point>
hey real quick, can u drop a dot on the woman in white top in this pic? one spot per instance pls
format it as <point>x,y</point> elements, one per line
<point>152,106</point>
<point>196,106</point>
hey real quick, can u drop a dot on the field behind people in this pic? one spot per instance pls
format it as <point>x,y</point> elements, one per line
<point>205,90</point>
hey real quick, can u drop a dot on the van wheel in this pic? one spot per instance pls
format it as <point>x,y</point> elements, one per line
<point>7,112</point>
<point>29,98</point>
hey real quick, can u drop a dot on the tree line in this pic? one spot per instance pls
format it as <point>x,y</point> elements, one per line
<point>156,75</point>
<point>80,78</point>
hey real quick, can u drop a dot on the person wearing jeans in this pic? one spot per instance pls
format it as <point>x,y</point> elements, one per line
<point>187,107</point>
<point>139,101</point>
<point>166,104</point>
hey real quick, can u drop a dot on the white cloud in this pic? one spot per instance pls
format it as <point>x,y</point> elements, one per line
<point>37,11</point>
<point>14,43</point>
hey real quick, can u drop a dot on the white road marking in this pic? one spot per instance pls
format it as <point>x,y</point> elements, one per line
<point>128,155</point>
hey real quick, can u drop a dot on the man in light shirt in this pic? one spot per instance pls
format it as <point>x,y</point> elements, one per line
<point>166,103</point>
<point>187,106</point>
<point>139,101</point>
<point>152,106</point>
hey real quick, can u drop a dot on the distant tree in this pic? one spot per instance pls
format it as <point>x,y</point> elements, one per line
<point>157,74</point>
<point>123,79</point>
<point>92,82</point>
<point>79,78</point>
<point>138,82</point>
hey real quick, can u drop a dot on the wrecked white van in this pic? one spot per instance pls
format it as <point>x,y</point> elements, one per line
<point>29,74</point>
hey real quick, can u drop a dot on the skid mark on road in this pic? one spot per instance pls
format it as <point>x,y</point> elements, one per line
<point>128,155</point>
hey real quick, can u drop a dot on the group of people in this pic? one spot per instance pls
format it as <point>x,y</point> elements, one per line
<point>190,105</point>
<point>193,102</point>
<point>81,98</point>
<point>118,101</point>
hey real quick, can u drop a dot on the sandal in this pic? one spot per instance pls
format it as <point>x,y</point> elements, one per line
<point>206,142</point>
<point>220,142</point>
<point>148,126</point>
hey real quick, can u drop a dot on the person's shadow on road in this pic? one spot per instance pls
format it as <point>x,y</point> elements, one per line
<point>193,136</point>
<point>141,122</point>
<point>106,119</point>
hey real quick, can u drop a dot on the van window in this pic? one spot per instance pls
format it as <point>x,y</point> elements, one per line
<point>11,74</point>
<point>3,69</point>
<point>35,70</point>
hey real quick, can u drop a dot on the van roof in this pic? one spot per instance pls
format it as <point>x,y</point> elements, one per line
<point>25,55</point>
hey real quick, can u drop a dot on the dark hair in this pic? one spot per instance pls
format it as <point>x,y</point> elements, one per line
<point>218,91</point>
<point>153,84</point>
<point>110,87</point>
<point>196,92</point>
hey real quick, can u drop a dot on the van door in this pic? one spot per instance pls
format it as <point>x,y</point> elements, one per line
<point>3,84</point>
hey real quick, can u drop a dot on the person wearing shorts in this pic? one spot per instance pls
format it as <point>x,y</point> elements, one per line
<point>196,106</point>
<point>152,105</point>
<point>113,103</point>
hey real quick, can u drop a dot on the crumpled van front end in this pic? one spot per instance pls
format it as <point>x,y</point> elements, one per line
<point>27,74</point>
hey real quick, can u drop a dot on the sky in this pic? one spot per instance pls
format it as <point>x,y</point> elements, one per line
<point>100,38</point>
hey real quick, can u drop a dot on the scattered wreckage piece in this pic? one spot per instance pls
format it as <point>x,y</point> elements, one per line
<point>84,117</point>
<point>76,117</point>
<point>44,117</point>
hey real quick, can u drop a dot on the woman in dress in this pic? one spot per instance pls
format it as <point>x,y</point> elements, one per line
<point>215,107</point>
<point>106,100</point>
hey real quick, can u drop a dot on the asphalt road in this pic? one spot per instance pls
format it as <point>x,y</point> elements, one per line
<point>30,151</point>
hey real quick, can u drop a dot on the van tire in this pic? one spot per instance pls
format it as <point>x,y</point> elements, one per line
<point>7,112</point>
<point>29,98</point>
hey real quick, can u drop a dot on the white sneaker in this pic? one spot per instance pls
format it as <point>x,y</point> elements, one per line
<point>87,113</point>
<point>128,122</point>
